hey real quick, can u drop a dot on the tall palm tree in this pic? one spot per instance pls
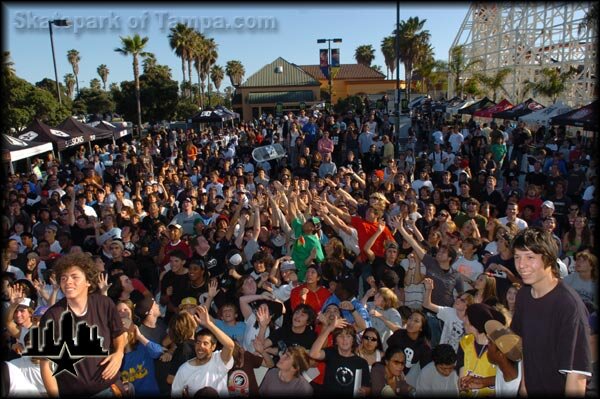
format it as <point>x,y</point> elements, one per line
<point>209,59</point>
<point>235,70</point>
<point>103,71</point>
<point>430,71</point>
<point>74,58</point>
<point>70,84</point>
<point>552,82</point>
<point>181,40</point>
<point>458,66</point>
<point>134,46</point>
<point>389,54</point>
<point>216,75</point>
<point>494,83</point>
<point>364,54</point>
<point>8,67</point>
<point>199,53</point>
<point>413,41</point>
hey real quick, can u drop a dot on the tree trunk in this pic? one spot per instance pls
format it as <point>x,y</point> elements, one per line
<point>199,92</point>
<point>136,76</point>
<point>77,83</point>
<point>190,76</point>
<point>183,69</point>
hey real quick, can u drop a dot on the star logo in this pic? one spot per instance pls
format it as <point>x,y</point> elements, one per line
<point>65,361</point>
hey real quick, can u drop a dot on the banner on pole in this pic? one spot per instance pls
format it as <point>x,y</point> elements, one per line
<point>324,62</point>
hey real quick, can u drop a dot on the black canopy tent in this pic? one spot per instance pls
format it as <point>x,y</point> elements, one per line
<point>218,115</point>
<point>585,117</point>
<point>74,127</point>
<point>470,110</point>
<point>39,131</point>
<point>116,131</point>
<point>524,108</point>
<point>15,149</point>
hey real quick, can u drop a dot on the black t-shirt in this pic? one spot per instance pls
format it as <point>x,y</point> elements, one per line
<point>102,313</point>
<point>554,333</point>
<point>78,234</point>
<point>503,284</point>
<point>179,282</point>
<point>420,349</point>
<point>379,266</point>
<point>340,372</point>
<point>285,334</point>
<point>184,352</point>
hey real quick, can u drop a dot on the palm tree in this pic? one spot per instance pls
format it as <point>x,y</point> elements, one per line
<point>364,54</point>
<point>553,82</point>
<point>458,66</point>
<point>431,70</point>
<point>210,58</point>
<point>413,42</point>
<point>216,75</point>
<point>389,54</point>
<point>70,84</point>
<point>235,70</point>
<point>74,58</point>
<point>8,67</point>
<point>149,63</point>
<point>95,84</point>
<point>134,46</point>
<point>494,83</point>
<point>180,40</point>
<point>103,71</point>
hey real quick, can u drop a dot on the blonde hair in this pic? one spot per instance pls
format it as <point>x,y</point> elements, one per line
<point>390,299</point>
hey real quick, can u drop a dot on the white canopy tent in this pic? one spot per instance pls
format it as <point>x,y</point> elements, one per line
<point>543,116</point>
<point>454,110</point>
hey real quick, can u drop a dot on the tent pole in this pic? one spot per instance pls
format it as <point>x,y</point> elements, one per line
<point>12,168</point>
<point>90,145</point>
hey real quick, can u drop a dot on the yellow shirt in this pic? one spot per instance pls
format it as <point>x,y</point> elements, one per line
<point>476,364</point>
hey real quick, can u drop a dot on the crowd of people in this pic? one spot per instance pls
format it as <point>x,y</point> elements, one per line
<point>458,262</point>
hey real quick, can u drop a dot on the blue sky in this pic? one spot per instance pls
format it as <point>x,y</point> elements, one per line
<point>292,33</point>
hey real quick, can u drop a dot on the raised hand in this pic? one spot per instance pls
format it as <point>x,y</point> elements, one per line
<point>201,316</point>
<point>428,283</point>
<point>213,287</point>
<point>263,316</point>
<point>347,305</point>
<point>103,284</point>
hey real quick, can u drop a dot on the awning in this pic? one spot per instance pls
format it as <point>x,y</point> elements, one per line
<point>518,110</point>
<point>14,149</point>
<point>586,117</point>
<point>270,97</point>
<point>489,111</point>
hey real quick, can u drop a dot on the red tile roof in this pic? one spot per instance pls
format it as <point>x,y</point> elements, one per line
<point>347,71</point>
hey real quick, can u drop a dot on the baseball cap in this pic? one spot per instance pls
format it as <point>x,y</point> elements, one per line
<point>288,265</point>
<point>186,199</point>
<point>235,259</point>
<point>142,308</point>
<point>315,220</point>
<point>549,204</point>
<point>27,302</point>
<point>177,225</point>
<point>278,240</point>
<point>505,339</point>
<point>40,310</point>
<point>188,301</point>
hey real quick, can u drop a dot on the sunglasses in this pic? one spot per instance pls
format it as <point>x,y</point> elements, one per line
<point>369,338</point>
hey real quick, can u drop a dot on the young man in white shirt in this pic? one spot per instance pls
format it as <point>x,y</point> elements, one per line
<point>209,368</point>
<point>512,210</point>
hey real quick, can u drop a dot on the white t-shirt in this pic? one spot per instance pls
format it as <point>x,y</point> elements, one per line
<point>19,384</point>
<point>212,374</point>
<point>468,268</point>
<point>507,389</point>
<point>251,333</point>
<point>453,326</point>
<point>31,372</point>
<point>521,224</point>
<point>455,141</point>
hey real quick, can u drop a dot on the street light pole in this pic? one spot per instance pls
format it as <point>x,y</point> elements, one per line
<point>330,79</point>
<point>57,22</point>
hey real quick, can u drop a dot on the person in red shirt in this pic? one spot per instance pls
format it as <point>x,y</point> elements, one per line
<point>366,228</point>
<point>175,242</point>
<point>311,293</point>
<point>532,197</point>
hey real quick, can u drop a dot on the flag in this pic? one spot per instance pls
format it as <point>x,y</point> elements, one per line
<point>324,62</point>
<point>335,57</point>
